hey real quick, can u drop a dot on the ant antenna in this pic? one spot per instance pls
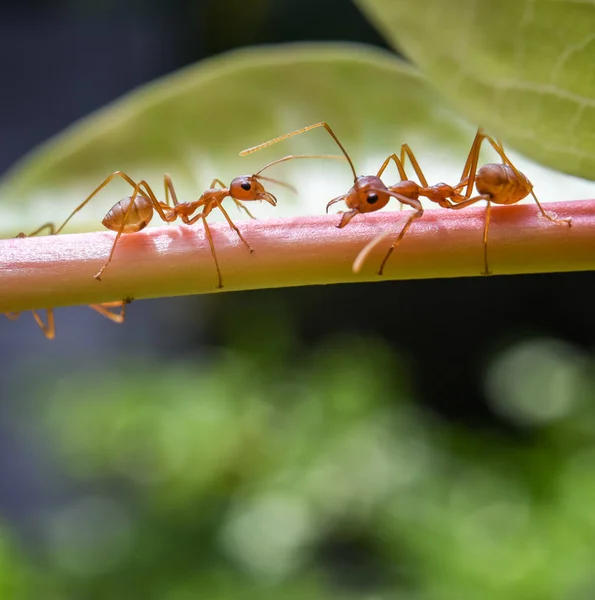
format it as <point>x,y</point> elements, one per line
<point>297,132</point>
<point>278,182</point>
<point>291,157</point>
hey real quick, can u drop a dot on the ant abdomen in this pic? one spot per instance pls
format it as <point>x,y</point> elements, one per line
<point>138,217</point>
<point>502,184</point>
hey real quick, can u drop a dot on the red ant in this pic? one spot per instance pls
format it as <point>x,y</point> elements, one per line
<point>133,213</point>
<point>498,183</point>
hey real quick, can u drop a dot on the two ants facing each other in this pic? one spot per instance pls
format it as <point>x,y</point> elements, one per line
<point>496,183</point>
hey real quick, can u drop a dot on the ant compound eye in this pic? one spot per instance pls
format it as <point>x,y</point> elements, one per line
<point>246,186</point>
<point>372,198</point>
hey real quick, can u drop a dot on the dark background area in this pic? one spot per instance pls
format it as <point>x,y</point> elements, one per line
<point>61,60</point>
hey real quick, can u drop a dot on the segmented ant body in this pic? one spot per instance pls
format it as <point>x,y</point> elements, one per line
<point>497,183</point>
<point>134,213</point>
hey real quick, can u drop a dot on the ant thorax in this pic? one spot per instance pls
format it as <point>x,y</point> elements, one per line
<point>184,209</point>
<point>369,193</point>
<point>406,188</point>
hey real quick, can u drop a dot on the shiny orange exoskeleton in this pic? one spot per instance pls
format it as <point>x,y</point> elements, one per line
<point>496,183</point>
<point>134,213</point>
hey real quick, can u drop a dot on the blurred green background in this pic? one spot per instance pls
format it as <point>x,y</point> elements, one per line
<point>408,440</point>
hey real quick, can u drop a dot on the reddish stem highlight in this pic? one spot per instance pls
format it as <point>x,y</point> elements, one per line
<point>52,271</point>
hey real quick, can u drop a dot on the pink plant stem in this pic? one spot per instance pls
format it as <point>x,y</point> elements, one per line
<point>52,271</point>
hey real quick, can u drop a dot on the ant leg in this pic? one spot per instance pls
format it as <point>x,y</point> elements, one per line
<point>203,215</point>
<point>415,215</point>
<point>497,145</point>
<point>242,207</point>
<point>105,182</point>
<point>406,151</point>
<point>549,217</point>
<point>104,310</point>
<point>485,239</point>
<point>212,245</point>
<point>48,329</point>
<point>397,162</point>
<point>237,202</point>
<point>158,206</point>
<point>232,225</point>
<point>168,184</point>
<point>49,226</point>
<point>400,167</point>
<point>362,256</point>
<point>464,202</point>
<point>119,233</point>
<point>470,168</point>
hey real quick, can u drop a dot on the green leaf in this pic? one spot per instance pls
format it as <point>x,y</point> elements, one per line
<point>521,68</point>
<point>193,123</point>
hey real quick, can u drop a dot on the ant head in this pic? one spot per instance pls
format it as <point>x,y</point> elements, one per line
<point>367,194</point>
<point>247,187</point>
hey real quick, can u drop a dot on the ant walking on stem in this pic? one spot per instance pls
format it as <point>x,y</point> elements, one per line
<point>134,213</point>
<point>495,183</point>
<point>498,183</point>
